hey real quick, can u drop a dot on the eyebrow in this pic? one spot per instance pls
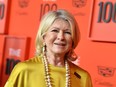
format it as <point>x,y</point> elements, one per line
<point>68,29</point>
<point>55,28</point>
<point>59,28</point>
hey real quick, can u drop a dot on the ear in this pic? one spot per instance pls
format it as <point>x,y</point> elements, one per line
<point>43,37</point>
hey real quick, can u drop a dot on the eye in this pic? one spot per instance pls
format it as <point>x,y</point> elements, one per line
<point>68,32</point>
<point>54,30</point>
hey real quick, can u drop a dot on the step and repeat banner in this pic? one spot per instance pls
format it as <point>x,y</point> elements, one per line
<point>103,21</point>
<point>18,17</point>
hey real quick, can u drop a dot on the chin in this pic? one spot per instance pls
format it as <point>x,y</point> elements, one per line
<point>60,52</point>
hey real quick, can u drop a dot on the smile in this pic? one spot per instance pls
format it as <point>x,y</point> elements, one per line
<point>60,44</point>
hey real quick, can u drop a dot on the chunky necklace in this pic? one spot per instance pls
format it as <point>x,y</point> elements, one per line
<point>47,73</point>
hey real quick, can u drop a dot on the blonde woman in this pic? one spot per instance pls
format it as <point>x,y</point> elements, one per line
<point>58,35</point>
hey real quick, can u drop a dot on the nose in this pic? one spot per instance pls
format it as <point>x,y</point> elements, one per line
<point>61,35</point>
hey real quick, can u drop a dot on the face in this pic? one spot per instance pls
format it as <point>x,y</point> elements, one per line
<point>58,38</point>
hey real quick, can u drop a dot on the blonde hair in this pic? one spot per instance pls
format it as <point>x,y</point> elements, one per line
<point>48,20</point>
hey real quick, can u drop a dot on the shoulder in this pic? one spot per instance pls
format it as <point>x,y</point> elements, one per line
<point>35,59</point>
<point>79,71</point>
<point>81,74</point>
<point>21,70</point>
<point>27,64</point>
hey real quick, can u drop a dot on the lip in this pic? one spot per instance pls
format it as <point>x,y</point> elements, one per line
<point>60,44</point>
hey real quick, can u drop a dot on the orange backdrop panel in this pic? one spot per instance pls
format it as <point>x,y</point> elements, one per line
<point>4,9</point>
<point>98,58</point>
<point>103,21</point>
<point>14,51</point>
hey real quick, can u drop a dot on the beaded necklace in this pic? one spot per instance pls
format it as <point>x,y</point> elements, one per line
<point>47,73</point>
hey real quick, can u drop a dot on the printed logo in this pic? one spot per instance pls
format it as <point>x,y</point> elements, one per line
<point>2,8</point>
<point>102,83</point>
<point>13,52</point>
<point>79,3</point>
<point>106,71</point>
<point>23,3</point>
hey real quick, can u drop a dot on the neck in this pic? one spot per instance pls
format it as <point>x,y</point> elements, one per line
<point>56,60</point>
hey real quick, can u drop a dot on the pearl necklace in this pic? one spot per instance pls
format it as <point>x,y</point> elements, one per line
<point>47,73</point>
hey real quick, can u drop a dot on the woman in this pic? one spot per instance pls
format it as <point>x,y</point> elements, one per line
<point>56,40</point>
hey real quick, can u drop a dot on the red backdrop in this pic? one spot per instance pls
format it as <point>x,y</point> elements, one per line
<point>96,49</point>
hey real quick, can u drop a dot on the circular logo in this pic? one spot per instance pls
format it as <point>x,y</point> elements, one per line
<point>79,3</point>
<point>23,3</point>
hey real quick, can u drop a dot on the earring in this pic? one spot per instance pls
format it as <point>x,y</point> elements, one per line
<point>44,48</point>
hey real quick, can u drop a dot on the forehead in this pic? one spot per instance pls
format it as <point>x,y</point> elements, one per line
<point>61,23</point>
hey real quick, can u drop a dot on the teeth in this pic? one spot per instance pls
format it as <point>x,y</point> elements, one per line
<point>60,44</point>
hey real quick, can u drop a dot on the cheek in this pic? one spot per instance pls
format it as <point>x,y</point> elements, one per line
<point>49,39</point>
<point>69,40</point>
